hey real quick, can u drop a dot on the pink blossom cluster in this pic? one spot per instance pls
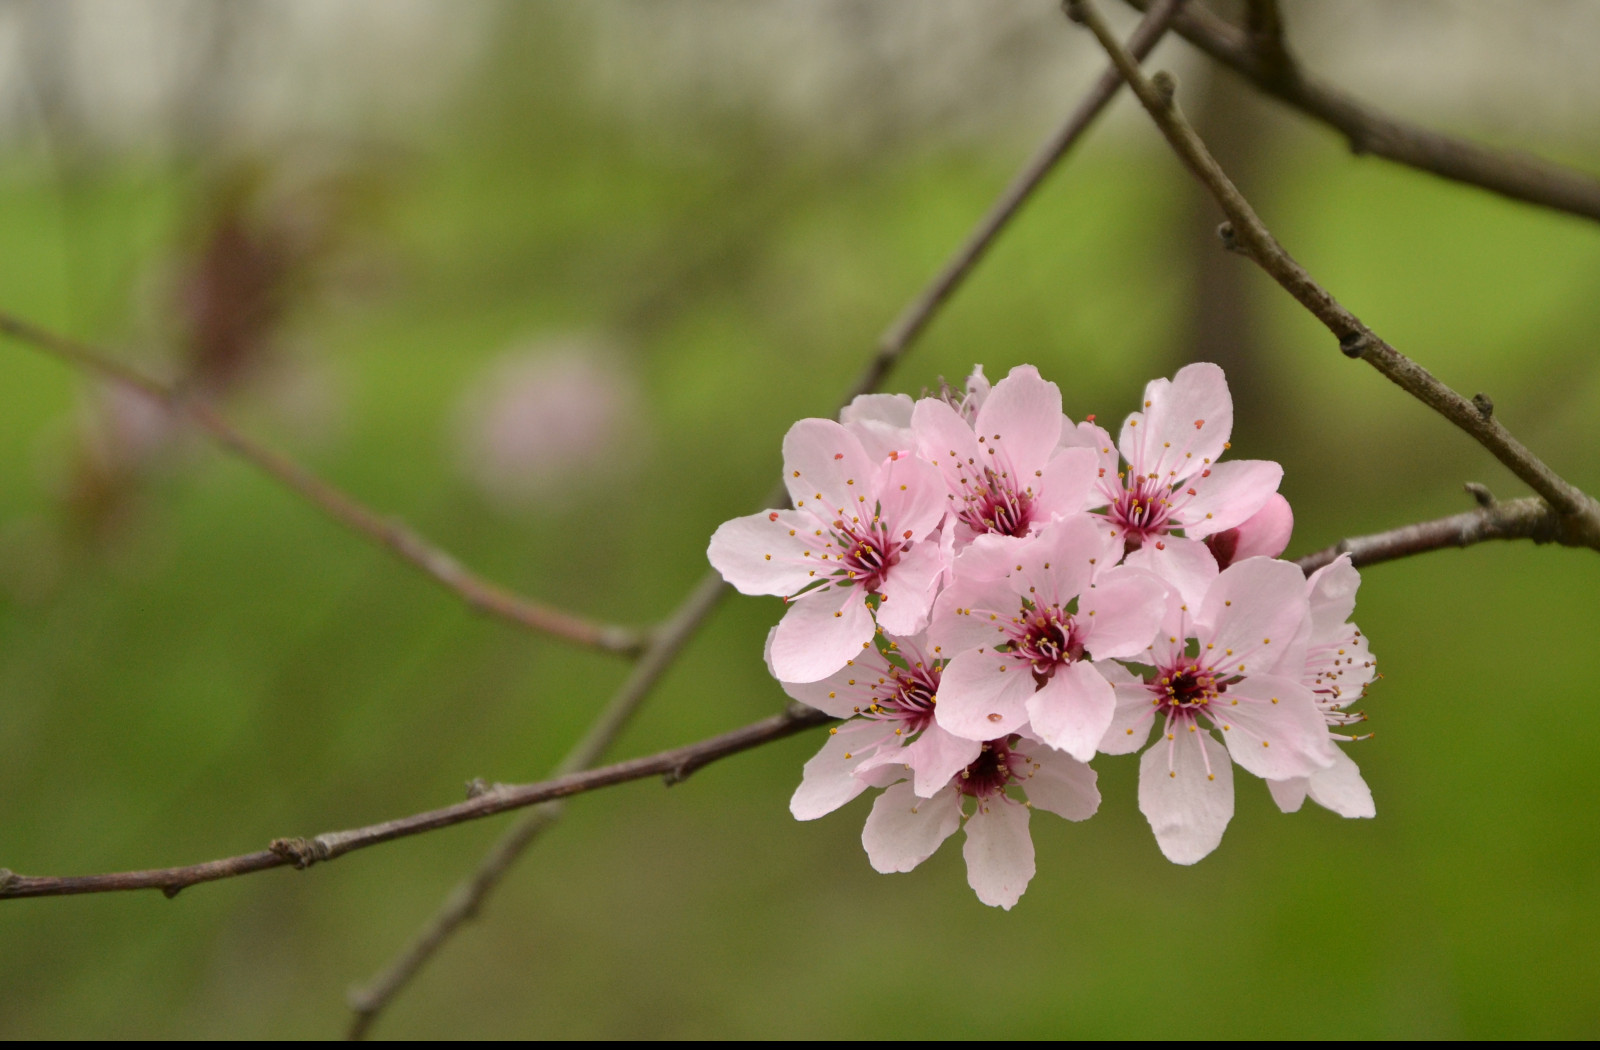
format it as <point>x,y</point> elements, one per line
<point>988,595</point>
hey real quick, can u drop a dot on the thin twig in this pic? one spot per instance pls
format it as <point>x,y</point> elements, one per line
<point>467,897</point>
<point>1516,175</point>
<point>1245,233</point>
<point>463,902</point>
<point>674,765</point>
<point>1522,519</point>
<point>409,547</point>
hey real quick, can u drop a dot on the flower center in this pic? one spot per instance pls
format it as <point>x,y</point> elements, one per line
<point>867,553</point>
<point>1187,687</point>
<point>996,766</point>
<point>908,697</point>
<point>995,505</point>
<point>1046,638</point>
<point>1142,508</point>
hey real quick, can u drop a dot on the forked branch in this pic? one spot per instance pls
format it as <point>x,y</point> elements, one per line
<point>1246,233</point>
<point>1519,176</point>
<point>409,547</point>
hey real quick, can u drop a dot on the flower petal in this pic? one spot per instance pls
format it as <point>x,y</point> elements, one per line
<point>971,614</point>
<point>1265,533</point>
<point>909,589</point>
<point>764,553</point>
<point>1130,722</point>
<point>882,423</point>
<point>983,695</point>
<point>1186,564</point>
<point>1189,799</point>
<point>829,780</point>
<point>1289,794</point>
<point>825,467</point>
<point>1184,427</point>
<point>1121,613</point>
<point>1250,607</point>
<point>1064,786</point>
<point>1273,728</point>
<point>999,850</point>
<point>1073,710</point>
<point>820,632</point>
<point>1341,788</point>
<point>1331,591</point>
<point>903,830</point>
<point>1066,486</point>
<point>841,694</point>
<point>936,756</point>
<point>910,497</point>
<point>946,441</point>
<point>1019,424</point>
<point>1232,493</point>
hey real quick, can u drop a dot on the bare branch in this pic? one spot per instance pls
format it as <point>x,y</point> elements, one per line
<point>409,547</point>
<point>915,317</point>
<point>1523,519</point>
<point>1516,175</point>
<point>673,765</point>
<point>464,901</point>
<point>467,897</point>
<point>1245,233</point>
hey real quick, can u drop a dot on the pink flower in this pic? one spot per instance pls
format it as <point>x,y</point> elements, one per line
<point>882,422</point>
<point>1264,534</point>
<point>1228,661</point>
<point>887,699</point>
<point>1338,669</point>
<point>1005,470</point>
<point>1173,479</point>
<point>904,829</point>
<point>859,528</point>
<point>1024,647</point>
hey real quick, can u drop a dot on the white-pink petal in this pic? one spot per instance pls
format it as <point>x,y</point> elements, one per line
<point>758,554</point>
<point>1022,418</point>
<point>1341,788</point>
<point>825,468</point>
<point>983,695</point>
<point>1066,487</point>
<point>999,850</point>
<point>903,830</point>
<point>1135,710</point>
<point>1232,493</point>
<point>1250,607</point>
<point>1063,785</point>
<point>936,756</point>
<point>1273,728</point>
<point>1072,711</point>
<point>1184,426</point>
<point>1289,794</point>
<point>882,423</point>
<point>910,497</point>
<point>1188,801</point>
<point>909,588</point>
<point>1265,533</point>
<point>829,779</point>
<point>1122,613</point>
<point>819,633</point>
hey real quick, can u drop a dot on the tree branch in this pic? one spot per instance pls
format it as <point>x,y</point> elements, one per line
<point>1522,519</point>
<point>673,765</point>
<point>409,547</point>
<point>1519,176</point>
<point>463,902</point>
<point>1246,234</point>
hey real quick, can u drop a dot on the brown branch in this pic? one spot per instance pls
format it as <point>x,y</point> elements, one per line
<point>1516,175</point>
<point>915,317</point>
<point>673,765</point>
<point>1522,519</point>
<point>1244,232</point>
<point>409,547</point>
<point>463,902</point>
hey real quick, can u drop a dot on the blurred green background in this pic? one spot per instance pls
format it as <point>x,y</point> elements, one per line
<point>193,662</point>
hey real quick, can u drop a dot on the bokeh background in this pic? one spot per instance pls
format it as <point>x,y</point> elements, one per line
<point>550,282</point>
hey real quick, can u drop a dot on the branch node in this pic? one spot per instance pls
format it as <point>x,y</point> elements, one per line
<point>1354,345</point>
<point>302,853</point>
<point>1480,493</point>
<point>172,890</point>
<point>1230,241</point>
<point>1166,86</point>
<point>1484,404</point>
<point>7,877</point>
<point>477,786</point>
<point>1073,9</point>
